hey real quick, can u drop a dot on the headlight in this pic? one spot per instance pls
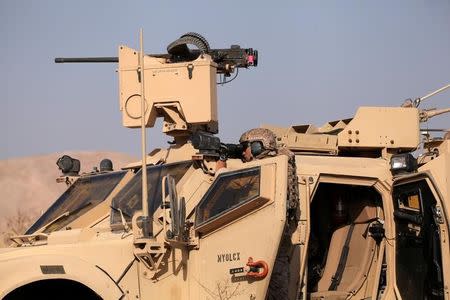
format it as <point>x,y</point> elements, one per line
<point>68,165</point>
<point>402,163</point>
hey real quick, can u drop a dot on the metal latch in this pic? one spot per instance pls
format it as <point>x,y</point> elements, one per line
<point>437,214</point>
<point>190,68</point>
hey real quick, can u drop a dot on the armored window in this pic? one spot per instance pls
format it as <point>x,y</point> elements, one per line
<point>228,193</point>
<point>80,197</point>
<point>129,199</point>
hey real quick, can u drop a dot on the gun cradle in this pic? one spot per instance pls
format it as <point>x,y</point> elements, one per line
<point>186,89</point>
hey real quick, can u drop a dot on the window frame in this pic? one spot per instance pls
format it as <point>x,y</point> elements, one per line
<point>227,216</point>
<point>69,196</point>
<point>129,186</point>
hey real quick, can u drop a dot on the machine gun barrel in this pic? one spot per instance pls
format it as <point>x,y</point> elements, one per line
<point>227,59</point>
<point>101,59</point>
<point>61,60</point>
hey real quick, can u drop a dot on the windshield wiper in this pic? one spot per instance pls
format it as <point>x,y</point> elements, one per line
<point>64,215</point>
<point>122,218</point>
<point>120,211</point>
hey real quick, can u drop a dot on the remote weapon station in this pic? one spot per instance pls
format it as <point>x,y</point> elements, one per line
<point>355,209</point>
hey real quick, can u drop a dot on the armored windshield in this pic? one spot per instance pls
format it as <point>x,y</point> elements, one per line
<point>129,199</point>
<point>80,197</point>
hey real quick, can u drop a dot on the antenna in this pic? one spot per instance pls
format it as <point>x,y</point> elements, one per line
<point>420,99</point>
<point>147,222</point>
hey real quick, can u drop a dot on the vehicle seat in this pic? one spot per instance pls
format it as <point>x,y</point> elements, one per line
<point>360,256</point>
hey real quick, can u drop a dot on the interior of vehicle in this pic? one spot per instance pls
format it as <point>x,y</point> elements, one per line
<point>346,230</point>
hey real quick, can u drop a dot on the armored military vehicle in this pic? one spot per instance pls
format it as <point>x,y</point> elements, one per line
<point>355,209</point>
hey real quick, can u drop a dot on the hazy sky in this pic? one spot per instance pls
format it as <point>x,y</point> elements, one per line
<point>319,61</point>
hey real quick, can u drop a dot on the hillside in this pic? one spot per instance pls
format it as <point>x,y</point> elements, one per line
<point>28,185</point>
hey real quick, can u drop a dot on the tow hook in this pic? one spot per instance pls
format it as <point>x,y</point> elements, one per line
<point>253,270</point>
<point>258,269</point>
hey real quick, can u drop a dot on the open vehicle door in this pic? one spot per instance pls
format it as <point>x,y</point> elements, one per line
<point>421,238</point>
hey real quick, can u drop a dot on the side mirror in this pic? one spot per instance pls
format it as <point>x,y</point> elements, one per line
<point>181,218</point>
<point>177,209</point>
<point>173,200</point>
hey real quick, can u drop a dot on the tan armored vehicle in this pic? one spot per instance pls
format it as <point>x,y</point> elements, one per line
<point>355,209</point>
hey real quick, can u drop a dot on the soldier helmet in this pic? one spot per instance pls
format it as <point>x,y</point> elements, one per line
<point>265,136</point>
